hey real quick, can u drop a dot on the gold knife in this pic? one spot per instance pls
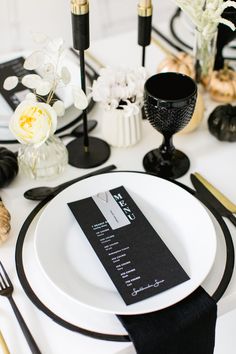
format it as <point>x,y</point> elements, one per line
<point>220,196</point>
<point>3,344</point>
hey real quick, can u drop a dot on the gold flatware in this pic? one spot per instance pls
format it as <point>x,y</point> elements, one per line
<point>90,56</point>
<point>220,196</point>
<point>94,59</point>
<point>3,344</point>
<point>162,47</point>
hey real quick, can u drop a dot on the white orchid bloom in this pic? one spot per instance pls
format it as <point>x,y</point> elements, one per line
<point>100,93</point>
<point>10,83</point>
<point>113,104</point>
<point>33,122</point>
<point>130,109</point>
<point>116,85</point>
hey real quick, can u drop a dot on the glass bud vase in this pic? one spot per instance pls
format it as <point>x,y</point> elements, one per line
<point>43,162</point>
<point>204,53</point>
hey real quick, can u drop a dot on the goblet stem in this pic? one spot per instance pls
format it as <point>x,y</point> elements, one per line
<point>167,148</point>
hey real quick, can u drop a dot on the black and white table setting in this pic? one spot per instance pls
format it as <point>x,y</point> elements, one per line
<point>61,287</point>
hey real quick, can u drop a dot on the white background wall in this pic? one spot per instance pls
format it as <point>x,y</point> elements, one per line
<point>19,18</point>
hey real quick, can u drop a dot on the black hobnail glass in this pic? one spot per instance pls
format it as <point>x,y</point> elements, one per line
<point>169,102</point>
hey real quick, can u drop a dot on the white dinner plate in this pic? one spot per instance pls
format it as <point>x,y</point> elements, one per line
<point>70,263</point>
<point>64,306</point>
<point>83,316</point>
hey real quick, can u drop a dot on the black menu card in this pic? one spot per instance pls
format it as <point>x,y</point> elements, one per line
<point>13,67</point>
<point>133,254</point>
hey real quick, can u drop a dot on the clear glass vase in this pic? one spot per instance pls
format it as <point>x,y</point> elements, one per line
<point>43,162</point>
<point>204,53</point>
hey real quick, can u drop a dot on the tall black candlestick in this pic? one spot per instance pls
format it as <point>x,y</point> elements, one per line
<point>90,152</point>
<point>81,41</point>
<point>144,25</point>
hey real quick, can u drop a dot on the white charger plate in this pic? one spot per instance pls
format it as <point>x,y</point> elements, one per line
<point>72,266</point>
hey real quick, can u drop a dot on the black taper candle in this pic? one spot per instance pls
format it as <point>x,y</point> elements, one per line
<point>81,42</point>
<point>144,30</point>
<point>80,30</point>
<point>144,25</point>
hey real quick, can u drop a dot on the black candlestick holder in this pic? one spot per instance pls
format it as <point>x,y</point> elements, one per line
<point>144,27</point>
<point>144,31</point>
<point>88,151</point>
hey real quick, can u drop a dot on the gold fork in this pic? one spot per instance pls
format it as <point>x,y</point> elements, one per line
<point>3,344</point>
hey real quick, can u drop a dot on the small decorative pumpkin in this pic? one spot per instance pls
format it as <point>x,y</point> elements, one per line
<point>222,85</point>
<point>222,122</point>
<point>5,225</point>
<point>8,166</point>
<point>197,115</point>
<point>181,62</point>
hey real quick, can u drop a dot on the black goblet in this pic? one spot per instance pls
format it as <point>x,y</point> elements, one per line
<point>169,101</point>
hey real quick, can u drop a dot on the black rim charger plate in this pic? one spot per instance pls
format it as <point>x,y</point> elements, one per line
<point>228,270</point>
<point>169,102</point>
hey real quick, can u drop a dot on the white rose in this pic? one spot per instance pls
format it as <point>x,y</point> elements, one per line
<point>33,122</point>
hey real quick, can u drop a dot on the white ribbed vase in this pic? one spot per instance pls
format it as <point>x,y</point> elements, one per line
<point>120,130</point>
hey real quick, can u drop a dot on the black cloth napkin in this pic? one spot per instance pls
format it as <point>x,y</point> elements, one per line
<point>187,327</point>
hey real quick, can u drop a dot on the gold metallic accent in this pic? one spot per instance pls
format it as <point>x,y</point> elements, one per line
<point>162,47</point>
<point>220,196</point>
<point>144,11</point>
<point>79,7</point>
<point>95,60</point>
<point>145,3</point>
<point>90,56</point>
<point>3,344</point>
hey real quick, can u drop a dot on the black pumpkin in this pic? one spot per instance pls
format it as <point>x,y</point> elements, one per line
<point>222,122</point>
<point>8,166</point>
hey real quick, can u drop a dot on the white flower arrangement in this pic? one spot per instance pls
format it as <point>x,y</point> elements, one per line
<point>206,14</point>
<point>35,119</point>
<point>33,122</point>
<point>120,88</point>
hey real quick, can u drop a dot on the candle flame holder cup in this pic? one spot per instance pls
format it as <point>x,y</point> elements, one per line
<point>169,102</point>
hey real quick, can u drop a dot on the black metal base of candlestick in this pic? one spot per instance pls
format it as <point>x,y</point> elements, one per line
<point>97,154</point>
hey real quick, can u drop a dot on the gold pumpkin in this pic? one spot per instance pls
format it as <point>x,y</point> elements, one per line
<point>181,63</point>
<point>197,115</point>
<point>5,225</point>
<point>222,85</point>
